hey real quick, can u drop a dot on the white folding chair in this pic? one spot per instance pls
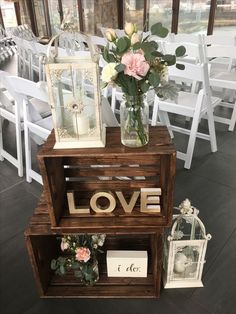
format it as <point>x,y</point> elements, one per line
<point>32,95</point>
<point>12,113</point>
<point>191,105</point>
<point>222,39</point>
<point>225,80</point>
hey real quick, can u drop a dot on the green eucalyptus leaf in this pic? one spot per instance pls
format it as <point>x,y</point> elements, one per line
<point>62,270</point>
<point>158,30</point>
<point>144,86</point>
<point>53,264</point>
<point>106,54</point>
<point>78,273</point>
<point>75,265</point>
<point>170,59</point>
<point>120,67</point>
<point>154,79</point>
<point>149,46</point>
<point>157,54</point>
<point>180,51</point>
<point>123,44</point>
<point>137,46</point>
<point>180,66</point>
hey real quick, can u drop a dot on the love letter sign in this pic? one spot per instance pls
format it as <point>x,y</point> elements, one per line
<point>127,263</point>
<point>149,202</point>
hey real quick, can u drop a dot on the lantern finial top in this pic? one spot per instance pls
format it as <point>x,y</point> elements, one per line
<point>187,209</point>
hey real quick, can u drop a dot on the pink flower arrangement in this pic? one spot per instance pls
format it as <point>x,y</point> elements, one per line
<point>80,257</point>
<point>135,65</point>
<point>138,64</point>
<point>82,254</point>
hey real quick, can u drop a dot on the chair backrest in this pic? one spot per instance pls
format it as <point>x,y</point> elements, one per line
<point>27,88</point>
<point>194,52</point>
<point>192,72</point>
<point>221,51</point>
<point>186,38</point>
<point>22,89</point>
<point>219,39</point>
<point>218,51</point>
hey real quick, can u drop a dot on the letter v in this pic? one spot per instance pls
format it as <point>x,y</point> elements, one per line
<point>128,207</point>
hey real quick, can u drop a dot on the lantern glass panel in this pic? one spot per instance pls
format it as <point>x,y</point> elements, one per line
<point>186,263</point>
<point>74,93</point>
<point>188,228</point>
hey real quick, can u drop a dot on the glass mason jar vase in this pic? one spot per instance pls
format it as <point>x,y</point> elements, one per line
<point>134,120</point>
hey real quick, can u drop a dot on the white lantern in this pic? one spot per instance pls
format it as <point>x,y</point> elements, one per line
<point>74,93</point>
<point>185,249</point>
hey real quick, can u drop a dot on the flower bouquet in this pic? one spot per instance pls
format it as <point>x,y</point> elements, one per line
<point>137,65</point>
<point>80,257</point>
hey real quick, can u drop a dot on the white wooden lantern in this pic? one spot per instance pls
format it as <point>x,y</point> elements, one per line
<point>74,93</point>
<point>185,249</point>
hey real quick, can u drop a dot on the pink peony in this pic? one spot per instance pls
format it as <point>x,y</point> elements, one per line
<point>135,65</point>
<point>82,254</point>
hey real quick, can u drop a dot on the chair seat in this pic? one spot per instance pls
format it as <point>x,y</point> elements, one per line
<point>41,107</point>
<point>46,124</point>
<point>187,101</point>
<point>224,80</point>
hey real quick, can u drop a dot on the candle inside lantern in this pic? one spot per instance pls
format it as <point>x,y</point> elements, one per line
<point>80,124</point>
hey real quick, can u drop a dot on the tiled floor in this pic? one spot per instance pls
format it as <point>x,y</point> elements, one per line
<point>211,186</point>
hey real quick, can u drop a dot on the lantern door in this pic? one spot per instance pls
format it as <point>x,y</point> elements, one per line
<point>76,104</point>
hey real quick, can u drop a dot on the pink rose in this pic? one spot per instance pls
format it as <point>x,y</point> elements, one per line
<point>82,254</point>
<point>135,65</point>
<point>64,244</point>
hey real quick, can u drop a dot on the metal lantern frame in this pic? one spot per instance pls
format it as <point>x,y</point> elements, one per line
<point>175,261</point>
<point>76,116</point>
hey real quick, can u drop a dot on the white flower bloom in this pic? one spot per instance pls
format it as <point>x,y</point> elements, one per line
<point>110,34</point>
<point>135,38</point>
<point>109,72</point>
<point>130,28</point>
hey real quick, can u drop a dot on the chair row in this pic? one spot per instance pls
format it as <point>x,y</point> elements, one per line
<point>25,104</point>
<point>7,46</point>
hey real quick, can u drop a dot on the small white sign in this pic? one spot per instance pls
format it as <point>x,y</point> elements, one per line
<point>127,263</point>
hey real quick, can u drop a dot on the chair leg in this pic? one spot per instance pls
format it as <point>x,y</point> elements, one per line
<point>165,119</point>
<point>19,142</point>
<point>233,119</point>
<point>27,146</point>
<point>1,140</point>
<point>155,111</point>
<point>211,127</point>
<point>191,142</point>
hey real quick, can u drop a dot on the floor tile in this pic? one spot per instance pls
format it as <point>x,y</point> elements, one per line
<point>17,287</point>
<point>220,282</point>
<point>219,168</point>
<point>16,207</point>
<point>8,176</point>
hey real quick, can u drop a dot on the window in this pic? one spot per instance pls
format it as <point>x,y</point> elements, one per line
<point>225,17</point>
<point>193,16</point>
<point>160,11</point>
<point>8,13</point>
<point>134,12</point>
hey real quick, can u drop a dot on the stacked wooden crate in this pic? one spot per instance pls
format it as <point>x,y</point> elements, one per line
<point>85,171</point>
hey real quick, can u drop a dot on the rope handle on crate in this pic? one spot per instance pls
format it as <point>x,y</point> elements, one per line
<point>52,54</point>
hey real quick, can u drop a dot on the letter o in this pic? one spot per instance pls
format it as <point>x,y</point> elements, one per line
<point>103,209</point>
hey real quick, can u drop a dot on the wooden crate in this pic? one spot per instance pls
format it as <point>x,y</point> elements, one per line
<point>88,170</point>
<point>43,246</point>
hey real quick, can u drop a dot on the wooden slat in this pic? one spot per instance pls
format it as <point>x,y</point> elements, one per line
<point>112,172</point>
<point>143,291</point>
<point>109,184</point>
<point>113,159</point>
